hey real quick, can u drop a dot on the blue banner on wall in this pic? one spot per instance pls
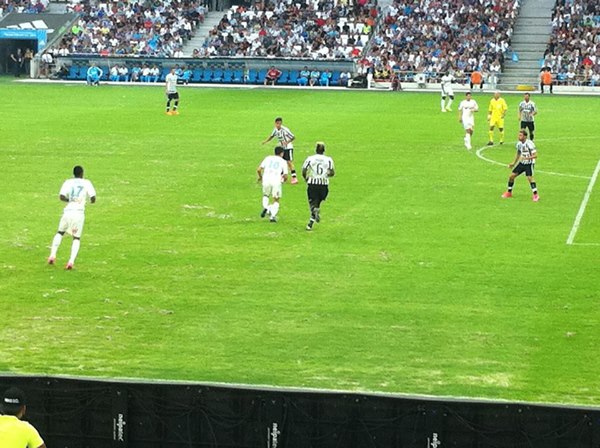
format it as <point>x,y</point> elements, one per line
<point>39,35</point>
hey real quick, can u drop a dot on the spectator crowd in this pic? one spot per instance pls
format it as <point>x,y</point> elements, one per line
<point>429,37</point>
<point>132,28</point>
<point>573,52</point>
<point>316,29</point>
<point>22,6</point>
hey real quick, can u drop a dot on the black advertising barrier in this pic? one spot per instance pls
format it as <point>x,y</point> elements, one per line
<point>89,413</point>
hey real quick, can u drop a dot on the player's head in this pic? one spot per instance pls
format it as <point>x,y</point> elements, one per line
<point>522,135</point>
<point>497,94</point>
<point>320,148</point>
<point>278,150</point>
<point>173,70</point>
<point>527,96</point>
<point>468,95</point>
<point>278,122</point>
<point>13,402</point>
<point>78,171</point>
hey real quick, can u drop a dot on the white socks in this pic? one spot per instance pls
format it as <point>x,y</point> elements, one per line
<point>266,202</point>
<point>274,209</point>
<point>55,245</point>
<point>74,250</point>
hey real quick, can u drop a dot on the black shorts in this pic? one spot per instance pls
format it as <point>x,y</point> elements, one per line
<point>521,168</point>
<point>528,125</point>
<point>173,96</point>
<point>288,154</point>
<point>317,193</point>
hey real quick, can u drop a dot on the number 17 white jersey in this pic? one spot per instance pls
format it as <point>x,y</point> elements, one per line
<point>77,191</point>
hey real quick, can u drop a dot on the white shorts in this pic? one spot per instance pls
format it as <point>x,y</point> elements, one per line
<point>272,189</point>
<point>468,124</point>
<point>72,223</point>
<point>447,92</point>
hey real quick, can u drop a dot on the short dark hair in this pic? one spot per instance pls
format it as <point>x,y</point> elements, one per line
<point>12,401</point>
<point>278,150</point>
<point>78,171</point>
<point>320,148</point>
<point>278,119</point>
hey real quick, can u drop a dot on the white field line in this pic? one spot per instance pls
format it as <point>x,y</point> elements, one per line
<point>583,205</point>
<point>479,154</point>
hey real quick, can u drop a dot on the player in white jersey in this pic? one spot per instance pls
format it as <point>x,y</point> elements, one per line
<point>171,92</point>
<point>75,193</point>
<point>272,171</point>
<point>524,163</point>
<point>466,110</point>
<point>285,138</point>
<point>316,170</point>
<point>527,112</point>
<point>447,92</point>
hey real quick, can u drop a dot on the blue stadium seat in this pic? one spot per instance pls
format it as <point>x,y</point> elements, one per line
<point>293,78</point>
<point>164,72</point>
<point>196,75</point>
<point>252,75</point>
<point>260,79</point>
<point>217,76</point>
<point>285,74</point>
<point>207,75</point>
<point>335,79</point>
<point>238,77</point>
<point>228,76</point>
<point>73,72</point>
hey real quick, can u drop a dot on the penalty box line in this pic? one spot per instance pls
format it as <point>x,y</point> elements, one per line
<point>583,205</point>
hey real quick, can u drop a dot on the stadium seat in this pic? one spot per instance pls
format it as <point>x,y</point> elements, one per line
<point>238,77</point>
<point>164,72</point>
<point>335,79</point>
<point>217,76</point>
<point>197,75</point>
<point>285,74</point>
<point>252,75</point>
<point>73,72</point>
<point>207,75</point>
<point>260,79</point>
<point>293,78</point>
<point>228,76</point>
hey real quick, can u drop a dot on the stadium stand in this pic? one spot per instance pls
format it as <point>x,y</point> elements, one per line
<point>430,37</point>
<point>318,29</point>
<point>121,29</point>
<point>22,6</point>
<point>573,52</point>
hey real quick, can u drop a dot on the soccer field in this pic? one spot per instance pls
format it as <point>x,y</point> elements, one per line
<point>419,279</point>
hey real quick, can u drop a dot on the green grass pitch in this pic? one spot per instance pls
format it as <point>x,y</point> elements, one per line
<point>419,279</point>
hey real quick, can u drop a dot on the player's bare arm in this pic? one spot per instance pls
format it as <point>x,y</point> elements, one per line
<point>259,172</point>
<point>268,139</point>
<point>93,199</point>
<point>64,198</point>
<point>305,173</point>
<point>514,162</point>
<point>331,172</point>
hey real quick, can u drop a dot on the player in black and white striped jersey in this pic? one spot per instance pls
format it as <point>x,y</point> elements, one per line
<point>527,112</point>
<point>524,163</point>
<point>285,138</point>
<point>316,170</point>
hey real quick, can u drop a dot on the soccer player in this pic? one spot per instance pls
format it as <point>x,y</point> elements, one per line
<point>285,138</point>
<point>496,112</point>
<point>316,170</point>
<point>447,92</point>
<point>94,74</point>
<point>171,92</point>
<point>466,109</point>
<point>527,112</point>
<point>524,163</point>
<point>272,171</point>
<point>75,193</point>
<point>14,432</point>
